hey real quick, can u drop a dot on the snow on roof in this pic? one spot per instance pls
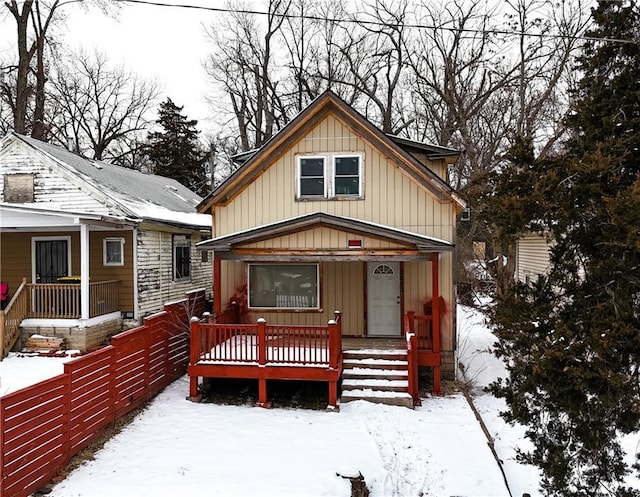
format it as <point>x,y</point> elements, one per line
<point>149,196</point>
<point>157,213</point>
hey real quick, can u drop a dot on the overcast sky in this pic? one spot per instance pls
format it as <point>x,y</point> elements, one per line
<point>164,43</point>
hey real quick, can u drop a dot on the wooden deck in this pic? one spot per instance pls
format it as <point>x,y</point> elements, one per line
<point>268,352</point>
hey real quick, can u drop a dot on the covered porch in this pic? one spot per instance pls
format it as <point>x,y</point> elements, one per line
<point>292,272</point>
<point>63,271</point>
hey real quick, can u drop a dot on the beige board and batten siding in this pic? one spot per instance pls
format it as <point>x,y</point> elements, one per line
<point>51,184</point>
<point>532,257</point>
<point>156,285</point>
<point>342,289</point>
<point>321,238</point>
<point>391,197</point>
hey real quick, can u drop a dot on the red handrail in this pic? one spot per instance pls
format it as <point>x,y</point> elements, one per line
<point>266,344</point>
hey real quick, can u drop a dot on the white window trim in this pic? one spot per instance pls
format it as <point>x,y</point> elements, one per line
<point>360,157</point>
<point>104,251</point>
<point>318,289</point>
<point>35,239</point>
<point>299,175</point>
<point>329,172</point>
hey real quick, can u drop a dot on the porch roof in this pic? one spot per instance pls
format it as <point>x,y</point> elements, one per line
<point>415,245</point>
<point>33,216</point>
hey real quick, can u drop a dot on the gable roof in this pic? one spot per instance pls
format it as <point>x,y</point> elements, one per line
<point>254,162</point>
<point>422,243</point>
<point>133,194</point>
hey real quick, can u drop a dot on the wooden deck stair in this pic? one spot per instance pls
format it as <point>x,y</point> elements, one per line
<point>379,376</point>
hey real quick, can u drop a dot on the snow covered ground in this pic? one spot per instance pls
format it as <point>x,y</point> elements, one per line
<point>21,370</point>
<point>176,447</point>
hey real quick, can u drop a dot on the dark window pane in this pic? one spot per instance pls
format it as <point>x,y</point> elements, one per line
<point>312,186</point>
<point>114,252</point>
<point>347,166</point>
<point>347,186</point>
<point>312,167</point>
<point>181,256</point>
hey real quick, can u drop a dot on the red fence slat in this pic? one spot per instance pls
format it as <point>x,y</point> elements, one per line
<point>44,425</point>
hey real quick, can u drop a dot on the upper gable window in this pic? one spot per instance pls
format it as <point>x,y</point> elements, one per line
<point>330,176</point>
<point>312,176</point>
<point>18,188</point>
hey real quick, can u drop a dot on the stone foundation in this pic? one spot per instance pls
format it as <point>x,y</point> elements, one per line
<point>81,338</point>
<point>448,370</point>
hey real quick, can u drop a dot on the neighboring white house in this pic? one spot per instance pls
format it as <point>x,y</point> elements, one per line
<point>90,243</point>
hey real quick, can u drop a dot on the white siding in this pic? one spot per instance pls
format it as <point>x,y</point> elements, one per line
<point>155,267</point>
<point>532,257</point>
<point>50,184</point>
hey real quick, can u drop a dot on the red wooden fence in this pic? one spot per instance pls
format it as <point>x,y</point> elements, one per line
<point>44,425</point>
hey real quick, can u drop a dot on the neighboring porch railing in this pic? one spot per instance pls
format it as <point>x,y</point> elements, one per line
<point>11,317</point>
<point>62,300</point>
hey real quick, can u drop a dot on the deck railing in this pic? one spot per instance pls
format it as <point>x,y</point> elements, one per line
<point>425,345</point>
<point>11,317</point>
<point>62,300</point>
<point>422,326</point>
<point>265,344</point>
<point>412,366</point>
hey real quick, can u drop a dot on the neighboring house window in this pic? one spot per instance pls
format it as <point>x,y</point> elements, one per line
<point>330,176</point>
<point>284,286</point>
<point>113,251</point>
<point>466,214</point>
<point>18,188</point>
<point>181,257</point>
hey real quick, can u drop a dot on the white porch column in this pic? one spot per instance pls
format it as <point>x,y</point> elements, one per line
<point>84,271</point>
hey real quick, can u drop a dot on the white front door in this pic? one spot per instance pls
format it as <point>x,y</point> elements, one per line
<point>383,299</point>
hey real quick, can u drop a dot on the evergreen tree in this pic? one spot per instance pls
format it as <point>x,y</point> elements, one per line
<point>572,340</point>
<point>175,151</point>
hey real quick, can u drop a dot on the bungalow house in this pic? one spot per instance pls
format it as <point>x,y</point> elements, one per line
<point>87,246</point>
<point>333,214</point>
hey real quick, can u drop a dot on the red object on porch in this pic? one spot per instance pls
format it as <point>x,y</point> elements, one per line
<point>266,352</point>
<point>424,331</point>
<point>4,294</point>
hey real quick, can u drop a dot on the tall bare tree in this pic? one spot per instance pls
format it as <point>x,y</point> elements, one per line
<point>33,21</point>
<point>466,74</point>
<point>244,66</point>
<point>103,108</point>
<point>25,91</point>
<point>376,59</point>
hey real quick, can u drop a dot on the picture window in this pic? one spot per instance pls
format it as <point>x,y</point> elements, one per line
<point>284,286</point>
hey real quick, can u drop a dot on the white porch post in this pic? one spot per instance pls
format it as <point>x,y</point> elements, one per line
<point>84,271</point>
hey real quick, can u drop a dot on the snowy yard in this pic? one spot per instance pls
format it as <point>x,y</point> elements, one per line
<point>176,447</point>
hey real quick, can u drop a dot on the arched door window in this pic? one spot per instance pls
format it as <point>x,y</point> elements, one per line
<point>383,269</point>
